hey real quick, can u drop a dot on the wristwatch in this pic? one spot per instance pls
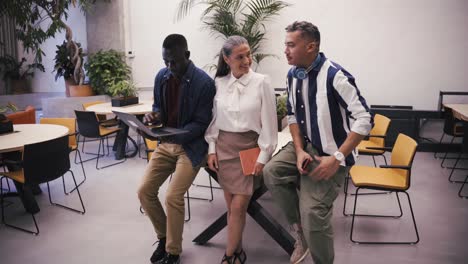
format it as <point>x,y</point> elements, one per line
<point>339,156</point>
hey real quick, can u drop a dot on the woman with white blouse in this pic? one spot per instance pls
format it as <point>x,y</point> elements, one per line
<point>244,117</point>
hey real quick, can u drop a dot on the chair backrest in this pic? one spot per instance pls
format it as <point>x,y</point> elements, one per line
<point>88,104</point>
<point>381,125</point>
<point>28,116</point>
<point>150,145</point>
<point>403,154</point>
<point>46,161</point>
<point>101,117</point>
<point>70,123</point>
<point>88,125</point>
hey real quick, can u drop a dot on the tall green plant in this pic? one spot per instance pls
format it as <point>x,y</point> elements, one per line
<point>106,68</point>
<point>38,20</point>
<point>246,18</point>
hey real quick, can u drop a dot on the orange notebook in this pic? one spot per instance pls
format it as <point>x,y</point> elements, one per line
<point>248,158</point>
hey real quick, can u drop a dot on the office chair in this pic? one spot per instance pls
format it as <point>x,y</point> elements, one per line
<point>453,128</point>
<point>70,123</point>
<point>42,162</point>
<point>395,177</point>
<point>376,139</point>
<point>374,145</point>
<point>88,126</point>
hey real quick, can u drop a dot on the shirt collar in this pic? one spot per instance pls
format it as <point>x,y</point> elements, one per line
<point>318,62</point>
<point>243,80</point>
<point>187,77</point>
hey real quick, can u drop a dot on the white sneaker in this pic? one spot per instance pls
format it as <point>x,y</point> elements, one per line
<point>300,246</point>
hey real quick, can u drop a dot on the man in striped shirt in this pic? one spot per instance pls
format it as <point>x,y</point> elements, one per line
<point>327,118</point>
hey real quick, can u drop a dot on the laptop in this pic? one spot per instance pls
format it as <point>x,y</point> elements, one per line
<point>156,132</point>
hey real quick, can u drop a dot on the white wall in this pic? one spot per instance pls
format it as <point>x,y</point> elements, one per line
<point>400,52</point>
<point>45,81</point>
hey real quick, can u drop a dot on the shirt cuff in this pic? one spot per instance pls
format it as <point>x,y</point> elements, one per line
<point>291,119</point>
<point>212,148</point>
<point>263,157</point>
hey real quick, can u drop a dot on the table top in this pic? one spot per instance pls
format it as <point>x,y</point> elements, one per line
<point>460,111</point>
<point>30,134</point>
<point>145,106</point>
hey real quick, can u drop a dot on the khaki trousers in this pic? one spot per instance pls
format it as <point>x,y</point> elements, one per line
<point>167,159</point>
<point>312,206</point>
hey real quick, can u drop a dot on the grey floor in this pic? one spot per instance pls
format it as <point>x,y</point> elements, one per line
<point>114,231</point>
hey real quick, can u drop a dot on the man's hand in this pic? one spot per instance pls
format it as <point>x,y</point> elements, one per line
<point>301,157</point>
<point>328,166</point>
<point>213,162</point>
<point>153,118</point>
<point>258,169</point>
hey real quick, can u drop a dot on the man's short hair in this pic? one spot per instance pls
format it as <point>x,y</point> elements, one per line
<point>175,41</point>
<point>308,30</point>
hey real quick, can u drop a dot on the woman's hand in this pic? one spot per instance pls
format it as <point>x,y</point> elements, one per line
<point>213,162</point>
<point>258,169</point>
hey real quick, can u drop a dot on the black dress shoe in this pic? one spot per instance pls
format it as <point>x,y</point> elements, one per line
<point>169,259</point>
<point>160,251</point>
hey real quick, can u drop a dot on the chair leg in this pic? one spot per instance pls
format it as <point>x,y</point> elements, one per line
<point>384,242</point>
<point>455,168</point>
<point>84,174</point>
<point>102,143</point>
<point>2,205</point>
<point>83,211</point>
<point>188,207</point>
<point>445,156</point>
<point>373,215</point>
<point>373,159</point>
<point>207,186</point>
<point>440,142</point>
<point>461,189</point>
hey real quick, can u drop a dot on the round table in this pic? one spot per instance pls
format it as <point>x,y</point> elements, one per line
<point>141,108</point>
<point>30,134</point>
<point>145,106</point>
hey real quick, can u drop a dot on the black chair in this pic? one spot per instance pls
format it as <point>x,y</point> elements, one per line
<point>89,127</point>
<point>42,162</point>
<point>453,128</point>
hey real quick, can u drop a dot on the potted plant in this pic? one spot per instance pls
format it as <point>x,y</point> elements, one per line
<point>71,71</point>
<point>10,107</point>
<point>123,93</point>
<point>17,74</point>
<point>245,18</point>
<point>281,111</point>
<point>106,68</point>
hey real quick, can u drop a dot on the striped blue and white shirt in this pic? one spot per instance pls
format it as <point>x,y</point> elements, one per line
<point>327,106</point>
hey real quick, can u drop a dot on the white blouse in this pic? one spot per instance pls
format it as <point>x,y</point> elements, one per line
<point>245,104</point>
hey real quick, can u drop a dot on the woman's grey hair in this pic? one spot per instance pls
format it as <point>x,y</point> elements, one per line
<point>228,46</point>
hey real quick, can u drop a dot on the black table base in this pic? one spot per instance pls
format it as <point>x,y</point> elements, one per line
<point>259,214</point>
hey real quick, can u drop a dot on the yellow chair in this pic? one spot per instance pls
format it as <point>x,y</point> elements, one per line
<point>395,177</point>
<point>374,145</point>
<point>376,142</point>
<point>70,123</point>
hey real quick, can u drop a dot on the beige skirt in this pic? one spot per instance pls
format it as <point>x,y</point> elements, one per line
<point>230,174</point>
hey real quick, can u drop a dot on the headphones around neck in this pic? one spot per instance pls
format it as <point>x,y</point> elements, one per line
<point>301,73</point>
